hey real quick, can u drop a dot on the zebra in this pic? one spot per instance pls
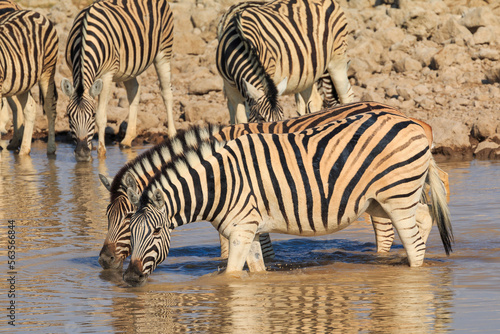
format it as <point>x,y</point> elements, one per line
<point>28,49</point>
<point>115,41</point>
<point>136,175</point>
<point>116,246</point>
<point>376,162</point>
<point>323,85</point>
<point>281,47</point>
<point>6,6</point>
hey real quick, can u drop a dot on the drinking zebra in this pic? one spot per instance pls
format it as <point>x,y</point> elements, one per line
<point>281,47</point>
<point>115,41</point>
<point>136,175</point>
<point>28,55</point>
<point>376,162</point>
<point>142,169</point>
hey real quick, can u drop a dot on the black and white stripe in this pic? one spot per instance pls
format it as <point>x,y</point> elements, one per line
<point>115,41</point>
<point>28,55</point>
<point>142,169</point>
<point>308,183</point>
<point>282,47</point>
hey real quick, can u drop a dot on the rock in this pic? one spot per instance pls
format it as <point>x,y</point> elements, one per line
<point>484,127</point>
<point>493,75</point>
<point>207,112</point>
<point>405,92</point>
<point>188,43</point>
<point>479,17</point>
<point>490,54</point>
<point>424,54</point>
<point>449,133</point>
<point>421,23</point>
<point>449,55</point>
<point>488,149</point>
<point>451,29</point>
<point>407,64</point>
<point>389,36</point>
<point>484,35</point>
<point>205,85</point>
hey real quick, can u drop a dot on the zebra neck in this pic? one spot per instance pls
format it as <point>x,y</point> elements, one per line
<point>194,193</point>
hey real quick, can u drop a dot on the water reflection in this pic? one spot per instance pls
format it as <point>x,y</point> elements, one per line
<point>308,301</point>
<point>332,284</point>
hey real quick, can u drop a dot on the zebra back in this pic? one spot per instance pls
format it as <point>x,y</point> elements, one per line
<point>122,37</point>
<point>29,46</point>
<point>7,6</point>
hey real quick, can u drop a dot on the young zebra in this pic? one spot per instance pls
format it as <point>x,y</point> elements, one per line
<point>141,170</point>
<point>28,55</point>
<point>317,182</point>
<point>281,47</point>
<point>115,41</point>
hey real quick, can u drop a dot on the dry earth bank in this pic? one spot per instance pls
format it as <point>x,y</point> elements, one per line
<point>436,60</point>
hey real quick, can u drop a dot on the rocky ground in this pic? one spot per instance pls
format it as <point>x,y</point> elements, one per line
<point>436,60</point>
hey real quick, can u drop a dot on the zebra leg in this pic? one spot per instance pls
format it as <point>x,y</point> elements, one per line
<point>384,233</point>
<point>235,104</point>
<point>424,221</point>
<point>4,115</point>
<point>338,72</point>
<point>162,65</point>
<point>314,101</point>
<point>265,245</point>
<point>404,221</point>
<point>224,246</point>
<point>48,93</point>
<point>17,122</point>
<point>254,259</point>
<point>240,242</point>
<point>29,122</point>
<point>301,105</point>
<point>100,116</point>
<point>133,96</point>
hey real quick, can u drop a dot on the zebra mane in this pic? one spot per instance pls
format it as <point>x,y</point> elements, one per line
<point>79,81</point>
<point>164,153</point>
<point>191,157</point>
<point>266,81</point>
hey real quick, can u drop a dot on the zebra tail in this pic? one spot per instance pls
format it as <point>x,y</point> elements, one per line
<point>439,207</point>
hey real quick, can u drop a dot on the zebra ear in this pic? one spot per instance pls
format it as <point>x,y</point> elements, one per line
<point>159,199</point>
<point>67,87</point>
<point>96,88</point>
<point>106,181</point>
<point>130,182</point>
<point>133,197</point>
<point>282,86</point>
<point>252,91</point>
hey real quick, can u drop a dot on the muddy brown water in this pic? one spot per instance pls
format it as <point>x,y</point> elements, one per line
<point>335,283</point>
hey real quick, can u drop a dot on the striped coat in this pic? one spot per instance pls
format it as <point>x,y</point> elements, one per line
<point>308,183</point>
<point>282,47</point>
<point>115,41</point>
<point>28,55</point>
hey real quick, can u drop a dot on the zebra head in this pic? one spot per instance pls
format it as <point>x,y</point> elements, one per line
<point>263,105</point>
<point>149,238</point>
<point>116,246</point>
<point>81,113</point>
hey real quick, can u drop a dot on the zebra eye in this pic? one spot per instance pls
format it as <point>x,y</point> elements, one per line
<point>157,231</point>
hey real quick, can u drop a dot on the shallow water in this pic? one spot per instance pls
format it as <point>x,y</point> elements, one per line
<point>335,283</point>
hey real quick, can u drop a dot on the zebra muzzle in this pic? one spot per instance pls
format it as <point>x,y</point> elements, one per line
<point>134,275</point>
<point>82,150</point>
<point>108,258</point>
